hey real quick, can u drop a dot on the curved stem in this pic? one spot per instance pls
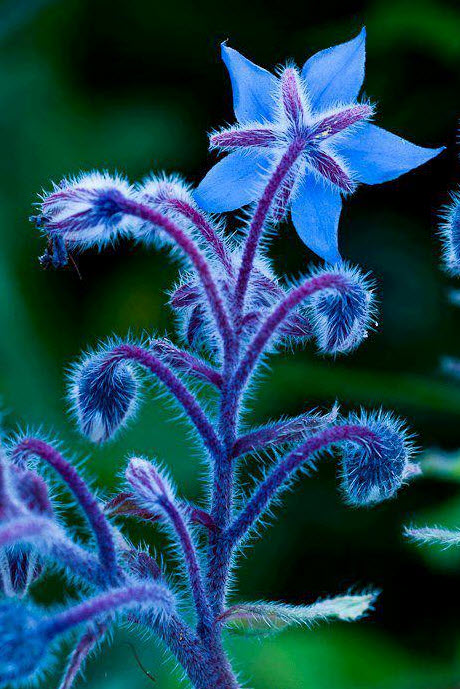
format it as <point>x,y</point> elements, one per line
<point>187,210</point>
<point>176,387</point>
<point>260,218</point>
<point>55,544</point>
<point>191,561</point>
<point>154,597</point>
<point>280,475</point>
<point>182,360</point>
<point>85,645</point>
<point>96,517</point>
<point>200,264</point>
<point>288,430</point>
<point>278,316</point>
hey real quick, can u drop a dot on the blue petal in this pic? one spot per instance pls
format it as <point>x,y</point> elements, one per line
<point>315,213</point>
<point>375,155</point>
<point>234,182</point>
<point>336,75</point>
<point>253,87</point>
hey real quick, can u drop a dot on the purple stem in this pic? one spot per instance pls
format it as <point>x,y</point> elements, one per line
<point>24,529</point>
<point>279,315</point>
<point>82,650</point>
<point>222,497</point>
<point>191,561</point>
<point>282,432</point>
<point>222,501</point>
<point>283,471</point>
<point>125,504</point>
<point>260,217</point>
<point>205,662</point>
<point>187,210</point>
<point>96,517</point>
<point>56,545</point>
<point>200,264</point>
<point>152,596</point>
<point>183,361</point>
<point>175,386</point>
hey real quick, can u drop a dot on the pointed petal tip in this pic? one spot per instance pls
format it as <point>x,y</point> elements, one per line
<point>336,74</point>
<point>315,215</point>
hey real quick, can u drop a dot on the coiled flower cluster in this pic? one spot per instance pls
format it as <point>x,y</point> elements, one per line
<point>232,312</point>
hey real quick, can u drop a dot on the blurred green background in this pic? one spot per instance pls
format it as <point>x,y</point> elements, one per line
<point>135,86</point>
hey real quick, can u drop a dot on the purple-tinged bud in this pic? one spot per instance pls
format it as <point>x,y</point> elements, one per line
<point>32,490</point>
<point>142,565</point>
<point>374,471</point>
<point>163,191</point>
<point>86,210</point>
<point>185,295</point>
<point>151,488</point>
<point>169,195</point>
<point>450,235</point>
<point>103,392</point>
<point>19,565</point>
<point>23,643</point>
<point>341,318</point>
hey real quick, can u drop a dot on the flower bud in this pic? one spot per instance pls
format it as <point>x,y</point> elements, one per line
<point>168,195</point>
<point>86,210</point>
<point>164,191</point>
<point>374,470</point>
<point>342,318</point>
<point>103,392</point>
<point>151,487</point>
<point>450,234</point>
<point>20,566</point>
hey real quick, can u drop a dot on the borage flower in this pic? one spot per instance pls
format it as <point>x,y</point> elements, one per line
<point>315,113</point>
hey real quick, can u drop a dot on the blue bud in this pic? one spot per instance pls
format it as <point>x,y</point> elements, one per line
<point>103,392</point>
<point>450,234</point>
<point>23,642</point>
<point>84,211</point>
<point>374,471</point>
<point>341,318</point>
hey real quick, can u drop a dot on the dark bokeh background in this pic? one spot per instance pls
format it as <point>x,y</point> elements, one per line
<point>134,86</point>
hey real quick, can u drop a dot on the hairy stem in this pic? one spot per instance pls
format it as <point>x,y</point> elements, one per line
<point>200,264</point>
<point>191,561</point>
<point>205,228</point>
<point>95,515</point>
<point>260,218</point>
<point>280,475</point>
<point>182,360</point>
<point>278,316</point>
<point>152,596</point>
<point>55,544</point>
<point>176,388</point>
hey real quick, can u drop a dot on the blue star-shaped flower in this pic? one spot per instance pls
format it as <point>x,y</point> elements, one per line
<point>317,108</point>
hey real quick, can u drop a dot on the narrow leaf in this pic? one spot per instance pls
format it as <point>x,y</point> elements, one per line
<point>261,619</point>
<point>433,535</point>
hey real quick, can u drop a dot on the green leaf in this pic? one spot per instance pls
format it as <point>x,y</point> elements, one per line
<point>261,619</point>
